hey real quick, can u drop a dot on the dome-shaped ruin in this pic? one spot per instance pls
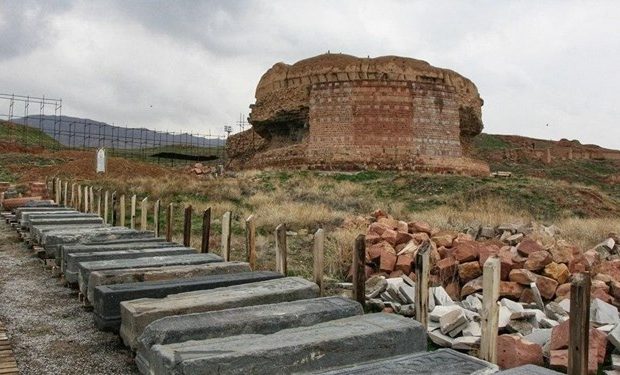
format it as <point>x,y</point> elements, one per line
<point>339,111</point>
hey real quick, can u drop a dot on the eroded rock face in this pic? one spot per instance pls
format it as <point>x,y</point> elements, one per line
<point>345,112</point>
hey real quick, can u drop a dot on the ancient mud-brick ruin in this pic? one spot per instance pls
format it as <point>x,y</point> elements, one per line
<point>337,111</point>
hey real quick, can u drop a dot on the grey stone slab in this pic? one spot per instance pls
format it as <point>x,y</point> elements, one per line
<point>64,221</point>
<point>73,235</point>
<point>107,298</point>
<point>329,344</point>
<point>147,243</point>
<point>85,268</point>
<point>20,210</point>
<point>261,319</point>
<point>438,362</point>
<point>133,275</point>
<point>24,217</point>
<point>73,260</point>
<point>137,314</point>
<point>529,370</point>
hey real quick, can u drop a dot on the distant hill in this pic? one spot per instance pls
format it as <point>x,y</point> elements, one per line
<point>80,132</point>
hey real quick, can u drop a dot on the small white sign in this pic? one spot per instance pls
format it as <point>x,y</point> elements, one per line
<point>101,160</point>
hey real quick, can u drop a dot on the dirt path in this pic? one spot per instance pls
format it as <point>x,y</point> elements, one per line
<point>51,333</point>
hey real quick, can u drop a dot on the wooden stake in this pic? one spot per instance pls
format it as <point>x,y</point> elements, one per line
<point>281,249</point>
<point>73,197</point>
<point>489,315</point>
<point>422,272</point>
<point>144,213</point>
<point>250,241</point>
<point>156,209</point>
<point>169,223</point>
<point>86,199</point>
<point>206,230</point>
<point>114,216</point>
<point>359,270</point>
<point>79,198</point>
<point>57,190</point>
<point>132,218</point>
<point>65,194</point>
<point>319,243</point>
<point>92,199</point>
<point>187,226</point>
<point>579,324</point>
<point>226,225</point>
<point>122,209</point>
<point>99,202</point>
<point>105,206</point>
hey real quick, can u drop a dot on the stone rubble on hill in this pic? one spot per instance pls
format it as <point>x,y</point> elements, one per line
<point>536,268</point>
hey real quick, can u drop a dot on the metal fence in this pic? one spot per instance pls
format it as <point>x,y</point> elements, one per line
<point>38,122</point>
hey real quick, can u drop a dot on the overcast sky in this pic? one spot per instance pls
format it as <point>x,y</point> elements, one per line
<point>546,69</point>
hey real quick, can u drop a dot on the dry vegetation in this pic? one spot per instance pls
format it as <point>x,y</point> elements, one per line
<point>585,211</point>
<point>342,202</point>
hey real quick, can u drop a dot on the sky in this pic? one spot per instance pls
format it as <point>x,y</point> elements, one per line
<point>545,69</point>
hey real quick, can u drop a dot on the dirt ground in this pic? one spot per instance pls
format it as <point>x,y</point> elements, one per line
<point>50,332</point>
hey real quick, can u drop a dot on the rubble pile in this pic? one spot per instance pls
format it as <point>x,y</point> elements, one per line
<point>536,268</point>
<point>202,170</point>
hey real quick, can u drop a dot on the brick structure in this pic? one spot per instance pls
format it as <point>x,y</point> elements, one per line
<point>337,111</point>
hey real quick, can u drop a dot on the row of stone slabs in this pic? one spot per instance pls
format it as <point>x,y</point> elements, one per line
<point>305,334</point>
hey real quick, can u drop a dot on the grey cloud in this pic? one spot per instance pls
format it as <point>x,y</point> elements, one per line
<point>24,25</point>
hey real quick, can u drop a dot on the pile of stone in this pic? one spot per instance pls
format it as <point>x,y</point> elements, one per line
<point>534,287</point>
<point>200,169</point>
<point>529,268</point>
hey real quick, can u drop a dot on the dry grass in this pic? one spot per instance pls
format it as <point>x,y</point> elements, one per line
<point>306,201</point>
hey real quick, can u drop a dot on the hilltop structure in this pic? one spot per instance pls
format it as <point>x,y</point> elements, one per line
<point>336,111</point>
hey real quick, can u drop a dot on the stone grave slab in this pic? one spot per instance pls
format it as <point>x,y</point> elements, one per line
<point>52,239</point>
<point>85,268</point>
<point>21,210</point>
<point>24,217</point>
<point>73,260</point>
<point>65,221</point>
<point>329,344</point>
<point>261,319</point>
<point>529,370</point>
<point>147,243</point>
<point>137,314</point>
<point>439,362</point>
<point>134,275</point>
<point>107,299</point>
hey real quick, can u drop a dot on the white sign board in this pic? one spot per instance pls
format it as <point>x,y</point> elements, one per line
<point>101,160</point>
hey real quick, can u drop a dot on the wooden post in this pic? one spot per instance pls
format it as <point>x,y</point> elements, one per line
<point>317,249</point>
<point>65,194</point>
<point>79,198</point>
<point>122,210</point>
<point>226,224</point>
<point>250,241</point>
<point>206,230</point>
<point>143,213</point>
<point>86,196</point>
<point>132,218</point>
<point>106,197</point>
<point>57,190</point>
<point>169,223</point>
<point>422,272</point>
<point>579,324</point>
<point>156,209</point>
<point>281,249</point>
<point>92,199</point>
<point>73,197</point>
<point>114,216</point>
<point>489,315</point>
<point>99,202</point>
<point>187,226</point>
<point>359,270</point>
